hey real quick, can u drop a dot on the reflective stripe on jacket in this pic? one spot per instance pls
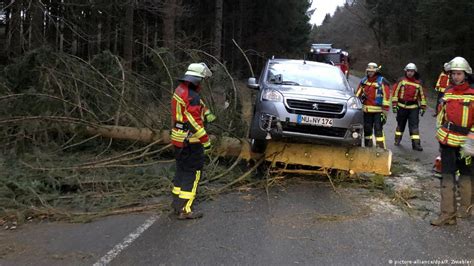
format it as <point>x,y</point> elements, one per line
<point>374,93</point>
<point>456,117</point>
<point>442,83</point>
<point>408,93</point>
<point>187,112</point>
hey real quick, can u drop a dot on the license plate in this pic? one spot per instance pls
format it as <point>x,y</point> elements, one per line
<point>315,121</point>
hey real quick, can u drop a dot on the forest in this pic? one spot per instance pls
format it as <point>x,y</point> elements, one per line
<point>396,32</point>
<point>71,70</point>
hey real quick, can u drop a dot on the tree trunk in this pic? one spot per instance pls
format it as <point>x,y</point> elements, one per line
<point>74,43</point>
<point>155,35</point>
<point>14,27</point>
<point>37,24</point>
<point>218,29</point>
<point>107,33</point>
<point>144,36</point>
<point>116,39</point>
<point>169,18</point>
<point>354,160</point>
<point>61,35</point>
<point>128,35</point>
<point>99,37</point>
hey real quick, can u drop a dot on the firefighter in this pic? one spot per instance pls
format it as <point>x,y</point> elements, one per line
<point>442,84</point>
<point>189,138</point>
<point>455,121</point>
<point>374,92</point>
<point>408,101</point>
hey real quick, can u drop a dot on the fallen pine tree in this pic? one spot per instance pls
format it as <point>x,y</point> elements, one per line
<point>80,139</point>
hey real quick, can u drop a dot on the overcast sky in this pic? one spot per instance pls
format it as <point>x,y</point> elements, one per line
<point>322,8</point>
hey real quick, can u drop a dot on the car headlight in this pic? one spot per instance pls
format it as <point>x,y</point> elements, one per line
<point>354,103</point>
<point>272,95</point>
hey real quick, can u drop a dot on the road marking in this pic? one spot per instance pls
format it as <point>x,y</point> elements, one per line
<point>113,253</point>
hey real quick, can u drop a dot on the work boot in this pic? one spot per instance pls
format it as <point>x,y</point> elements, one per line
<point>368,143</point>
<point>465,191</point>
<point>398,139</point>
<point>380,144</point>
<point>444,219</point>
<point>177,204</point>
<point>464,212</point>
<point>190,215</point>
<point>448,202</point>
<point>416,145</point>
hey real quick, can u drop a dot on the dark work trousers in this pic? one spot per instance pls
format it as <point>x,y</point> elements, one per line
<point>373,124</point>
<point>189,164</point>
<point>412,117</point>
<point>438,100</point>
<point>451,162</point>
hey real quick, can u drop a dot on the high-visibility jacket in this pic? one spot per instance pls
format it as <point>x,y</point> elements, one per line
<point>204,110</point>
<point>187,116</point>
<point>408,93</point>
<point>374,93</point>
<point>443,82</point>
<point>456,115</point>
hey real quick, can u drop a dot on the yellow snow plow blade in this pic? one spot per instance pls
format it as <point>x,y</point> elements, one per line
<point>351,159</point>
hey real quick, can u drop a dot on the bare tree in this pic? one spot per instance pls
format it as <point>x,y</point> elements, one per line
<point>171,10</point>
<point>128,34</point>
<point>218,29</point>
<point>36,28</point>
<point>14,34</point>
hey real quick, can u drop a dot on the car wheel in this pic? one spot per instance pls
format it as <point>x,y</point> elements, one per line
<point>258,145</point>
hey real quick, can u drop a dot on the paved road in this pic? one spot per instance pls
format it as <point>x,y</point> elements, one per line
<point>427,133</point>
<point>300,221</point>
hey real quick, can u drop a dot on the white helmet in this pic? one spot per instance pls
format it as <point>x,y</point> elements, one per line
<point>198,70</point>
<point>446,67</point>
<point>459,63</point>
<point>411,66</point>
<point>372,67</point>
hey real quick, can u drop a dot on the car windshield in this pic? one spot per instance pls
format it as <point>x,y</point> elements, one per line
<point>306,75</point>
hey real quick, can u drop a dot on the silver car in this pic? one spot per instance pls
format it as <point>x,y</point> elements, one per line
<point>304,101</point>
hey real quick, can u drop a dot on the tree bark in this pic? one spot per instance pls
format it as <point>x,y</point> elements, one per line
<point>14,27</point>
<point>218,29</point>
<point>99,37</point>
<point>170,13</point>
<point>37,24</point>
<point>74,43</point>
<point>128,35</point>
<point>107,33</point>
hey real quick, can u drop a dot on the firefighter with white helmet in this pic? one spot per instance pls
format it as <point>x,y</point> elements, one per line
<point>374,92</point>
<point>408,102</point>
<point>442,83</point>
<point>455,122</point>
<point>189,138</point>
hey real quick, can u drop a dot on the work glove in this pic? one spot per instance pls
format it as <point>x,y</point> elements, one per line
<point>383,118</point>
<point>207,147</point>
<point>468,146</point>
<point>422,111</point>
<point>210,118</point>
<point>394,109</point>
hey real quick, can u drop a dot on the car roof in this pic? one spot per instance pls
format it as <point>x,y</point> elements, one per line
<point>322,45</point>
<point>307,62</point>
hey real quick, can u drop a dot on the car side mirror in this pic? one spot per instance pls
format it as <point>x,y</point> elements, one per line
<point>252,83</point>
